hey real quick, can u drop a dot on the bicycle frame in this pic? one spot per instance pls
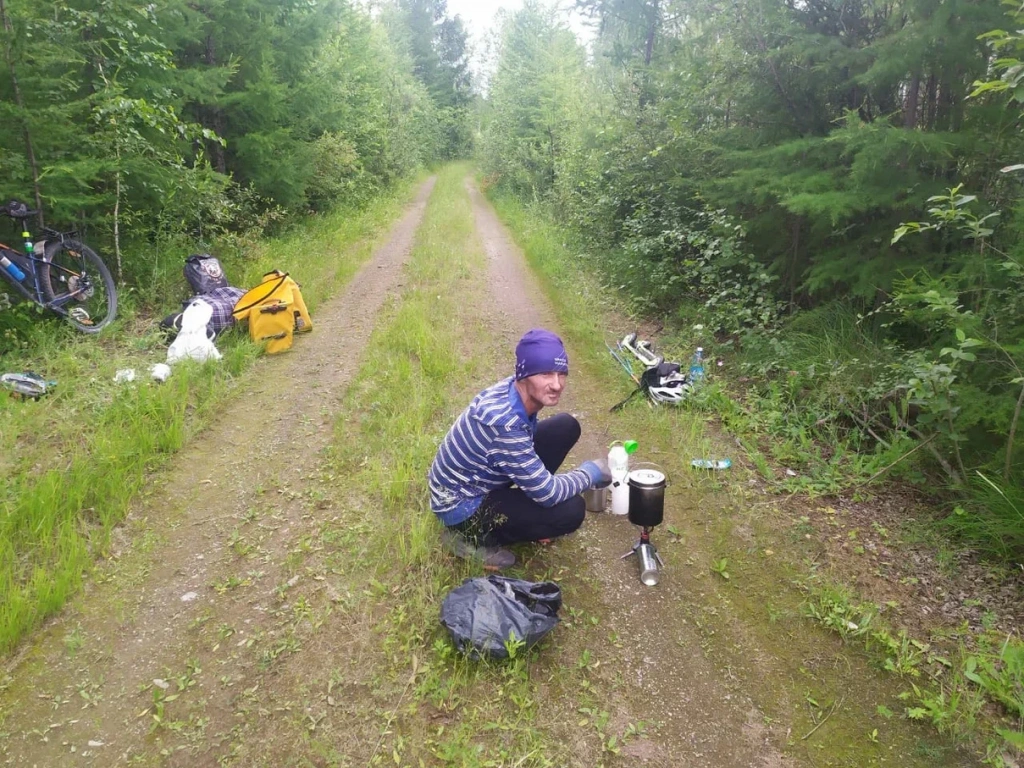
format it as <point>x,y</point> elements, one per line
<point>35,264</point>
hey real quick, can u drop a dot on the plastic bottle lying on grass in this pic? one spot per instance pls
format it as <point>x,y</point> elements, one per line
<point>26,384</point>
<point>711,463</point>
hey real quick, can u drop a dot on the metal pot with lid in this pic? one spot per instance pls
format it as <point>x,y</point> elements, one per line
<point>647,496</point>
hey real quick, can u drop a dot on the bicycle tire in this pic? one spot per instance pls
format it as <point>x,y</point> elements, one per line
<point>70,264</point>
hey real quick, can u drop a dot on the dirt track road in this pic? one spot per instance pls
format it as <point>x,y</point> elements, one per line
<point>156,599</point>
<point>166,619</point>
<point>707,722</point>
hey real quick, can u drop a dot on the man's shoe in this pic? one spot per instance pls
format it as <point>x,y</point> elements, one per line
<point>493,558</point>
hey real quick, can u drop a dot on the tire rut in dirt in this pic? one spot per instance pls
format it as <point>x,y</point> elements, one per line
<point>707,719</point>
<point>271,436</point>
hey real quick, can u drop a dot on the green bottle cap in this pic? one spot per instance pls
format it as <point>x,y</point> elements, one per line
<point>631,446</point>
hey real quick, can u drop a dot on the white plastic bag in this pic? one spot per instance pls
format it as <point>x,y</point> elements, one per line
<point>192,342</point>
<point>160,372</point>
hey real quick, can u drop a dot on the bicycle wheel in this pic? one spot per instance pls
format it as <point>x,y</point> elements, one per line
<point>76,280</point>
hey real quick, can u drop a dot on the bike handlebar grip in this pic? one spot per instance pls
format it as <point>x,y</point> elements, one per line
<point>18,210</point>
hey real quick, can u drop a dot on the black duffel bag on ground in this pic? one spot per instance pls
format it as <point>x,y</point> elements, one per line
<point>484,614</point>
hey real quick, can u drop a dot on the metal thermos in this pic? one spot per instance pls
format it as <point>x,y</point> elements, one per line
<point>647,560</point>
<point>596,499</point>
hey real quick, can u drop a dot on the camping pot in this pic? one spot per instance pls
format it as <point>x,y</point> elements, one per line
<point>647,496</point>
<point>596,499</point>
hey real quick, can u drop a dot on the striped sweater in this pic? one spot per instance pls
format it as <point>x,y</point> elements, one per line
<point>490,446</point>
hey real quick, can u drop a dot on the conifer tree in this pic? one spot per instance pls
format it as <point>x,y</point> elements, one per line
<point>438,48</point>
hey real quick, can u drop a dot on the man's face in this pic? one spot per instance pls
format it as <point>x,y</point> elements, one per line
<point>542,390</point>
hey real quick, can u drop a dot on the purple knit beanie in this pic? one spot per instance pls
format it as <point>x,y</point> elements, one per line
<point>540,351</point>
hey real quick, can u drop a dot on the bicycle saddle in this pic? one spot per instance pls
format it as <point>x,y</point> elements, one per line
<point>18,210</point>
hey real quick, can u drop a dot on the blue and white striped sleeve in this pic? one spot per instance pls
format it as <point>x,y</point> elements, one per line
<point>513,454</point>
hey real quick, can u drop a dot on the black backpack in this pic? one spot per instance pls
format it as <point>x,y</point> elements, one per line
<point>656,375</point>
<point>204,273</point>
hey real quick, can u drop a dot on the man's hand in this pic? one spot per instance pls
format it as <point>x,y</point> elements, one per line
<point>598,471</point>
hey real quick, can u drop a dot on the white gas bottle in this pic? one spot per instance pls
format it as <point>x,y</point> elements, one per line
<point>618,468</point>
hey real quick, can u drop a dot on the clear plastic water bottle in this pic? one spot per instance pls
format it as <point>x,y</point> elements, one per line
<point>12,268</point>
<point>697,366</point>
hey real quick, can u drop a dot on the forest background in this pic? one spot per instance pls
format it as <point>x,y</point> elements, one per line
<point>826,194</point>
<point>161,126</point>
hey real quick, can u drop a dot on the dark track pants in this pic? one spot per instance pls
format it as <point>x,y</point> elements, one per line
<point>507,515</point>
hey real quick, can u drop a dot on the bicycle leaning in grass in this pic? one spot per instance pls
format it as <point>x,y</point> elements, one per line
<point>59,273</point>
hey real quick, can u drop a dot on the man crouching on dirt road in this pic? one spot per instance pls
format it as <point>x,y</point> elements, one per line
<point>492,481</point>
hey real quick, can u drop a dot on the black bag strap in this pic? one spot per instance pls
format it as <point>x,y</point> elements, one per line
<point>272,308</point>
<point>269,293</point>
<point>622,403</point>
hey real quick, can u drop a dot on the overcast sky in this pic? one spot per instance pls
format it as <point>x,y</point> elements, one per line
<point>480,16</point>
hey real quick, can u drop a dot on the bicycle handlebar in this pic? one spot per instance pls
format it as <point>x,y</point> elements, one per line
<point>17,210</point>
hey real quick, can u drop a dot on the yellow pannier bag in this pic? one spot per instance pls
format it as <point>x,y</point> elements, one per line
<point>273,324</point>
<point>281,295</point>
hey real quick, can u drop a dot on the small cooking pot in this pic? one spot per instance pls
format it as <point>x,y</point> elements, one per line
<point>647,496</point>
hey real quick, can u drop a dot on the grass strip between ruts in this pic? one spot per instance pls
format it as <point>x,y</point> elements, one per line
<point>427,363</point>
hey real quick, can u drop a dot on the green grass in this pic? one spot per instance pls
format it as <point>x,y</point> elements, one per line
<point>74,459</point>
<point>951,685</point>
<point>803,398</point>
<point>429,360</point>
<point>991,517</point>
<point>969,686</point>
<point>422,366</point>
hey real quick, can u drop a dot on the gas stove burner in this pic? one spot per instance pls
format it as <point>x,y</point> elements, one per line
<point>648,559</point>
